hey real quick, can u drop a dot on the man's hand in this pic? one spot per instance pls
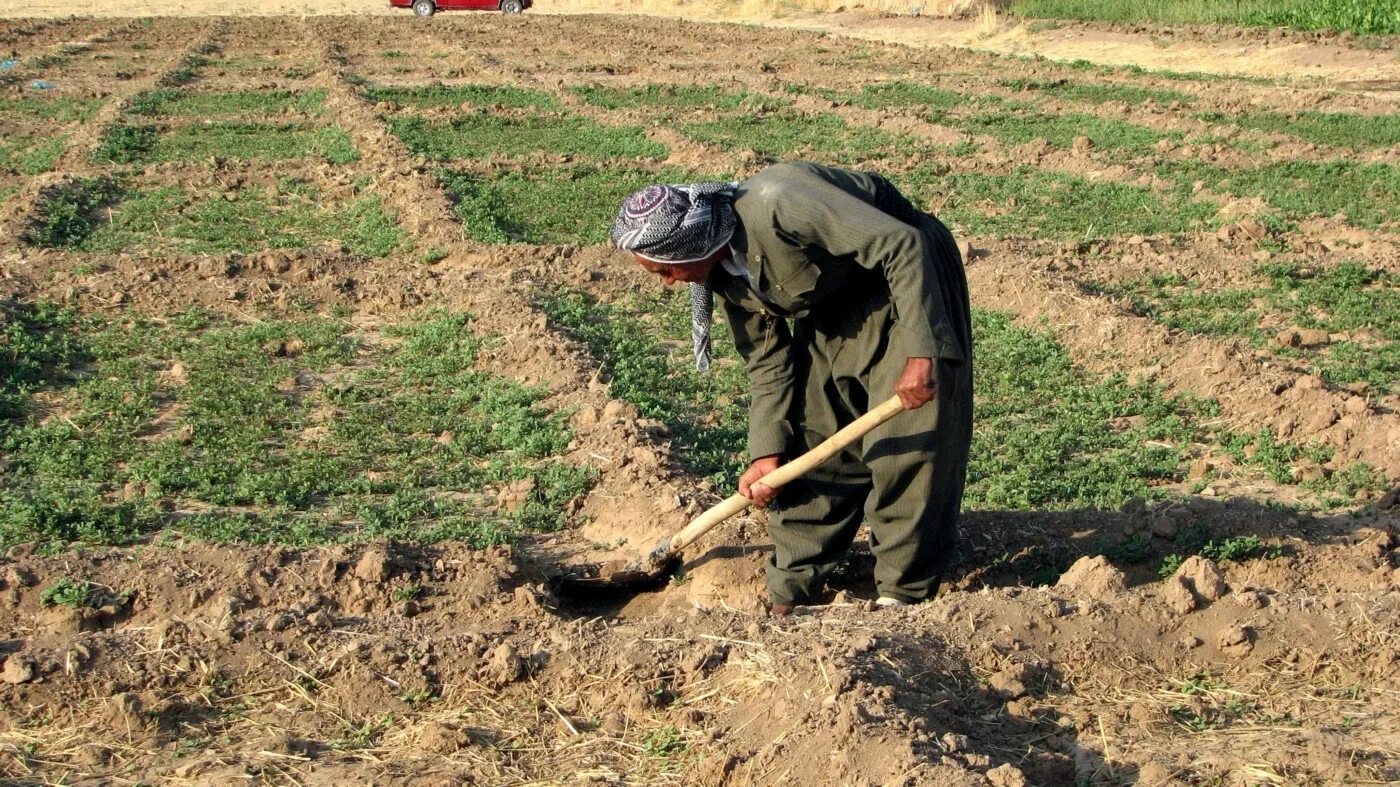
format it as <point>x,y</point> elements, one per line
<point>760,494</point>
<point>915,385</point>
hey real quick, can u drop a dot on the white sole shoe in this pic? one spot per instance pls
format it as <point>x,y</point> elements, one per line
<point>889,601</point>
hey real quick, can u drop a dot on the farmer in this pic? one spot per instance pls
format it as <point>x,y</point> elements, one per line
<point>839,293</point>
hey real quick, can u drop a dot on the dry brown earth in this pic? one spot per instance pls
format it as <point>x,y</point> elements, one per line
<point>317,666</point>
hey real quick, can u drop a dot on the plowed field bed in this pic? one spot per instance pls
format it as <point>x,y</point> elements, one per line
<point>315,370</point>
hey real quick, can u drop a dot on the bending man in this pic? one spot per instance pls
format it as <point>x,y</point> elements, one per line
<point>839,294</point>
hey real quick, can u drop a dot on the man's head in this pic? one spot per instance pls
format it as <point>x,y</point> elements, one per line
<point>677,232</point>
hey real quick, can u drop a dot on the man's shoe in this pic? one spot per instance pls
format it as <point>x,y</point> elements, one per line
<point>890,601</point>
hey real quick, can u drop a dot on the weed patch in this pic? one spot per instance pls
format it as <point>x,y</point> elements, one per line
<point>673,97</point>
<point>482,136</point>
<point>1016,128</point>
<point>1358,16</point>
<point>1097,92</point>
<point>277,432</point>
<point>1041,203</point>
<point>1367,194</point>
<point>1339,129</point>
<point>183,103</point>
<point>573,205</point>
<point>67,213</point>
<point>788,133</point>
<point>167,219</point>
<point>61,110</point>
<point>1360,304</point>
<point>457,95</point>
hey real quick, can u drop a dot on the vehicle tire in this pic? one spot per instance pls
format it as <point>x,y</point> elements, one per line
<point>511,6</point>
<point>424,7</point>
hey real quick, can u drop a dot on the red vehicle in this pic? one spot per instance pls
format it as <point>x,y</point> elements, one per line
<point>430,7</point>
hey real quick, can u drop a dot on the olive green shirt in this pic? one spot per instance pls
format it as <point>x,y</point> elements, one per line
<point>810,236</point>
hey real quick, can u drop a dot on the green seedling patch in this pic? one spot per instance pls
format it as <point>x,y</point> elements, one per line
<point>484,135</point>
<point>184,103</point>
<point>57,109</point>
<point>1016,128</point>
<point>1347,299</point>
<point>1067,448</point>
<point>1097,92</point>
<point>557,205</point>
<point>130,144</point>
<point>67,213</point>
<point>1367,194</point>
<point>1337,129</point>
<point>294,432</point>
<point>1041,203</point>
<point>672,97</point>
<point>788,133</point>
<point>31,155</point>
<point>167,219</point>
<point>457,95</point>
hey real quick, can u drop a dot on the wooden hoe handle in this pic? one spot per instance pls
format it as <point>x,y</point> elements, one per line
<point>785,473</point>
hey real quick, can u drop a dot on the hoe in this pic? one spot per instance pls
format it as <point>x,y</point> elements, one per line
<point>664,560</point>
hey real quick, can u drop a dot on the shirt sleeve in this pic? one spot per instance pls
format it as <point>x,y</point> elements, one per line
<point>765,344</point>
<point>818,213</point>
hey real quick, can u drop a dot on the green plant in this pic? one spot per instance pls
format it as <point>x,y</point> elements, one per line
<point>663,742</point>
<point>66,592</point>
<point>66,213</point>
<point>124,144</point>
<point>455,95</point>
<point>483,135</point>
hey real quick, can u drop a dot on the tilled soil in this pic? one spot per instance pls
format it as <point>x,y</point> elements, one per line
<point>394,663</point>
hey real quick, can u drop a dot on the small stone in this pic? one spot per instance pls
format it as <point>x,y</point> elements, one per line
<point>1387,501</point>
<point>1202,577</point>
<point>1235,641</point>
<point>954,742</point>
<point>1178,596</point>
<point>613,409</point>
<point>1199,469</point>
<point>1164,527</point>
<point>1250,599</point>
<point>1082,144</point>
<point>1007,775</point>
<point>373,565</point>
<point>18,669</point>
<point>1356,405</point>
<point>18,577</point>
<point>1191,642</point>
<point>1010,683</point>
<point>1093,577</point>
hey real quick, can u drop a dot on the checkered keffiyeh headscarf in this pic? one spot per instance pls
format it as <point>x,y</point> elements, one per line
<point>678,224</point>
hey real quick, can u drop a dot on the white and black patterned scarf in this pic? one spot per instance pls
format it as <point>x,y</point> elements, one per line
<point>678,224</point>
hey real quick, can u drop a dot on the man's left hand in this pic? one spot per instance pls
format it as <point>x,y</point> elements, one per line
<point>916,385</point>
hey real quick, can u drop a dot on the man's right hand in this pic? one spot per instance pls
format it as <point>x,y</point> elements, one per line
<point>760,494</point>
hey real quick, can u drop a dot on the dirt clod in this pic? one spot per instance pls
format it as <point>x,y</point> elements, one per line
<point>1007,775</point>
<point>1093,577</point>
<point>1202,577</point>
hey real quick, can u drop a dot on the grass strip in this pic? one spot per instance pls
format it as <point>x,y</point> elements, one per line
<point>169,219</point>
<point>184,103</point>
<point>553,205</point>
<point>292,432</point>
<point>1031,202</point>
<point>501,96</point>
<point>1359,305</point>
<point>672,97</point>
<point>484,135</point>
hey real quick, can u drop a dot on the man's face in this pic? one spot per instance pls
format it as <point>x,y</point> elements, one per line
<point>689,272</point>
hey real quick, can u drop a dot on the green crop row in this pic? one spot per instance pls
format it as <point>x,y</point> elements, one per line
<point>292,431</point>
